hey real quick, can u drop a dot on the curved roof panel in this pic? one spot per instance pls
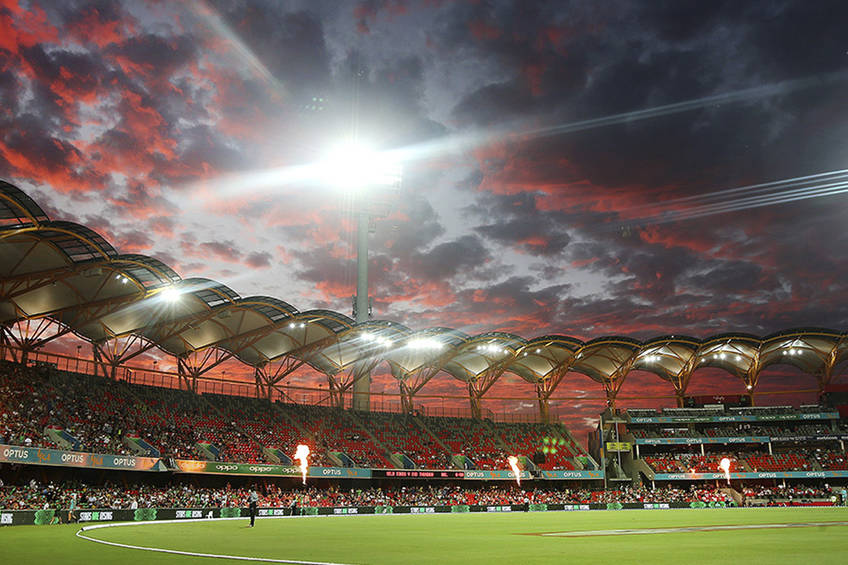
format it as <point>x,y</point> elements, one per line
<point>148,272</point>
<point>482,353</point>
<point>78,242</point>
<point>737,354</point>
<point>668,357</point>
<point>272,308</point>
<point>17,209</point>
<point>211,292</point>
<point>427,348</point>
<point>542,356</point>
<point>606,358</point>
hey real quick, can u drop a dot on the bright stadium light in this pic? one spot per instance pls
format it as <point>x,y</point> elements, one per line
<point>170,294</point>
<point>425,343</point>
<point>355,166</point>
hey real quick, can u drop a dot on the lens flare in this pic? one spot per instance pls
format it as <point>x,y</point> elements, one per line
<point>516,472</point>
<point>724,465</point>
<point>302,455</point>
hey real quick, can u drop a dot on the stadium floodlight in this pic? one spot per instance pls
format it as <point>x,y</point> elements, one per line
<point>355,166</point>
<point>170,294</point>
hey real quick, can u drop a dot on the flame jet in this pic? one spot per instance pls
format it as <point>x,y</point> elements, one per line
<point>513,462</point>
<point>724,465</point>
<point>302,455</point>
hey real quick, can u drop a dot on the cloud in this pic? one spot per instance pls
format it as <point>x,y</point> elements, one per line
<point>258,259</point>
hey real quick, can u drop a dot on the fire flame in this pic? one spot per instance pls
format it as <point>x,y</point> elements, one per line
<point>724,465</point>
<point>513,462</point>
<point>302,455</point>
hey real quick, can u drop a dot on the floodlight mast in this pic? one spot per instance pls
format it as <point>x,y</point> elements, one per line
<point>361,311</point>
<point>367,171</point>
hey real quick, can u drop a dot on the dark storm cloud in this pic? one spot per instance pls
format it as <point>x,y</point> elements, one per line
<point>142,202</point>
<point>291,44</point>
<point>459,257</point>
<point>154,55</point>
<point>732,277</point>
<point>489,104</point>
<point>518,305</point>
<point>514,220</point>
<point>415,224</point>
<point>9,91</point>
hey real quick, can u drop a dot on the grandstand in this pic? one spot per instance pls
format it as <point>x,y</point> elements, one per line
<point>46,407</point>
<point>687,444</point>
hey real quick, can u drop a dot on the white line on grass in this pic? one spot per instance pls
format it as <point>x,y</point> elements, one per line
<point>80,535</point>
<point>683,529</point>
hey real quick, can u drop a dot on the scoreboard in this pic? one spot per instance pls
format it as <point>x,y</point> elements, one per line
<point>417,474</point>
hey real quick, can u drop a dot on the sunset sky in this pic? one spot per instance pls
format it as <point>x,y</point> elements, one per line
<point>576,168</point>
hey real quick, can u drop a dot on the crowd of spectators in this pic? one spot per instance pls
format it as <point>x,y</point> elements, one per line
<point>34,495</point>
<point>99,415</point>
<point>749,459</point>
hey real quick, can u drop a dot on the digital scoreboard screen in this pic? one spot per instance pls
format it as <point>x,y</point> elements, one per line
<point>416,474</point>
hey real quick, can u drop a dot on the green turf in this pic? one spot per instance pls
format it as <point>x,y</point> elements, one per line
<point>458,538</point>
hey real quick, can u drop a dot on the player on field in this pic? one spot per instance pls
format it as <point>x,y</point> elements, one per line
<point>252,498</point>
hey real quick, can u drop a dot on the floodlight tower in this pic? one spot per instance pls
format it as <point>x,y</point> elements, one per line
<point>373,178</point>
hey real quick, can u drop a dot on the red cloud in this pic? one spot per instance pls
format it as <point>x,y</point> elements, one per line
<point>24,27</point>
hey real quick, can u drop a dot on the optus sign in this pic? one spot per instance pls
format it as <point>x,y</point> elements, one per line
<point>58,457</point>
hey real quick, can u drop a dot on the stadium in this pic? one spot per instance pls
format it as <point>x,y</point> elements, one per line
<point>413,281</point>
<point>102,441</point>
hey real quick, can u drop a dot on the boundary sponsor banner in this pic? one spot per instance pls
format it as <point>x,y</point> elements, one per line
<point>726,440</point>
<point>572,475</point>
<point>60,458</point>
<point>479,474</point>
<point>733,418</point>
<point>49,516</point>
<point>751,475</point>
<point>261,469</point>
<point>699,440</point>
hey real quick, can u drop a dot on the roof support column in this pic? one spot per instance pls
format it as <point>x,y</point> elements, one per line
<point>481,384</point>
<point>474,397</point>
<point>31,334</point>
<point>613,383</point>
<point>544,404</point>
<point>545,387</point>
<point>360,371</point>
<point>681,381</point>
<point>271,373</point>
<point>826,374</point>
<point>263,389</point>
<point>407,397</point>
<point>192,366</point>
<point>4,344</point>
<point>751,377</point>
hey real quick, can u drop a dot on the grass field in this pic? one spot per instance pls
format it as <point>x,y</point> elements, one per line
<point>458,538</point>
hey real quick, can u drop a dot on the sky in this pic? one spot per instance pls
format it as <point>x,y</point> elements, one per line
<point>577,168</point>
